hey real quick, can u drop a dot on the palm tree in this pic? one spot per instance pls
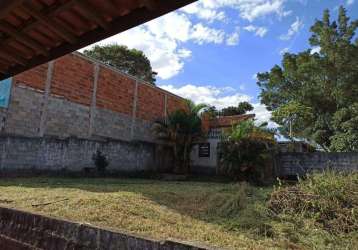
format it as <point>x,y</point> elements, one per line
<point>181,128</point>
<point>246,150</point>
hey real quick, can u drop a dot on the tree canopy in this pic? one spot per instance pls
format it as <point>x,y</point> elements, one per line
<point>240,109</point>
<point>182,127</point>
<point>131,61</point>
<point>315,94</point>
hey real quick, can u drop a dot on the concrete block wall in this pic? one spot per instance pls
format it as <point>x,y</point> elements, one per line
<point>72,154</point>
<point>75,96</point>
<point>24,112</point>
<point>3,112</point>
<point>292,164</point>
<point>28,231</point>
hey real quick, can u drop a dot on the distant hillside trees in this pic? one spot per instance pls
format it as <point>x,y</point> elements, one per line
<point>131,61</point>
<point>314,95</point>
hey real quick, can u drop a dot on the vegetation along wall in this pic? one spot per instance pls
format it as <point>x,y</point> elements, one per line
<point>77,97</point>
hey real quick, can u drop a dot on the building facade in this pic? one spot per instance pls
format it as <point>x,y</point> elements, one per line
<point>205,153</point>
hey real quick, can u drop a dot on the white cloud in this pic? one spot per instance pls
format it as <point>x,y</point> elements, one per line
<point>248,9</point>
<point>203,34</point>
<point>220,98</point>
<point>284,51</point>
<point>350,2</point>
<point>163,39</point>
<point>204,13</point>
<point>163,44</point>
<point>184,53</point>
<point>293,30</point>
<point>316,50</point>
<point>262,115</point>
<point>211,95</point>
<point>234,38</point>
<point>258,31</point>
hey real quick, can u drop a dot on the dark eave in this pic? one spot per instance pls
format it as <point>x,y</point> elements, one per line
<point>33,32</point>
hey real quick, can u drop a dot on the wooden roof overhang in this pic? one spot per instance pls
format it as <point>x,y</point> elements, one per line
<point>33,32</point>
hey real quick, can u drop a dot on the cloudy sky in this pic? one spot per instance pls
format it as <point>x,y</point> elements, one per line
<point>210,51</point>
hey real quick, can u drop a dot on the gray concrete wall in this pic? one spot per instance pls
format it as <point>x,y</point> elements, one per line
<point>66,119</point>
<point>3,112</point>
<point>25,231</point>
<point>301,163</point>
<point>109,124</point>
<point>72,154</point>
<point>24,112</point>
<point>32,114</point>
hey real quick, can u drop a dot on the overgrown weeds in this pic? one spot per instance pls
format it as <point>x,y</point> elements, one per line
<point>328,200</point>
<point>319,212</point>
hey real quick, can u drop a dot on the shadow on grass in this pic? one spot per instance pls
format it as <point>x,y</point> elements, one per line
<point>229,205</point>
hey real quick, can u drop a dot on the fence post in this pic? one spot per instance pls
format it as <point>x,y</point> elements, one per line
<point>46,96</point>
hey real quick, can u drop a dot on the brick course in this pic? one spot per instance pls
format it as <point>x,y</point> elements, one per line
<point>34,78</point>
<point>73,79</point>
<point>150,103</point>
<point>72,107</point>
<point>115,92</point>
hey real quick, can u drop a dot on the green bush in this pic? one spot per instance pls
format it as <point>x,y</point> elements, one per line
<point>100,161</point>
<point>246,152</point>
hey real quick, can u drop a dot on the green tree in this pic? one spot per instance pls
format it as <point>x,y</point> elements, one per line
<point>246,151</point>
<point>241,109</point>
<point>131,61</point>
<point>181,128</point>
<point>309,91</point>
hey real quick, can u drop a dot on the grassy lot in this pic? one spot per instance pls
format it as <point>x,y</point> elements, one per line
<point>234,216</point>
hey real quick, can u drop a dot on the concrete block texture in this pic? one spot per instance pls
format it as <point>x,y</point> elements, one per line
<point>292,164</point>
<point>110,124</point>
<point>24,112</point>
<point>72,154</point>
<point>3,112</point>
<point>21,230</point>
<point>65,119</point>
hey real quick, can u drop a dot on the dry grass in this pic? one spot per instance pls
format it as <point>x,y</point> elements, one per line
<point>191,211</point>
<point>232,216</point>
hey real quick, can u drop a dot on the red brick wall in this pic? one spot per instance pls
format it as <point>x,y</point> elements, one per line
<point>115,91</point>
<point>73,77</point>
<point>150,104</point>
<point>174,103</point>
<point>34,78</point>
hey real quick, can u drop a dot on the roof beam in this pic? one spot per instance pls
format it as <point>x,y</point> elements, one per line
<point>54,10</point>
<point>4,53</point>
<point>92,14</point>
<point>121,21</point>
<point>110,7</point>
<point>7,5</point>
<point>22,38</point>
<point>52,24</point>
<point>151,4</point>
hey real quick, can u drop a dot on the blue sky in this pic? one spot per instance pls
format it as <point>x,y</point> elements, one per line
<point>211,50</point>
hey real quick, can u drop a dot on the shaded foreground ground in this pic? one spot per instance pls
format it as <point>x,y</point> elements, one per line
<point>233,216</point>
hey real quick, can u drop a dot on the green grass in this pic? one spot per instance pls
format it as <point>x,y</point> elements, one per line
<point>233,216</point>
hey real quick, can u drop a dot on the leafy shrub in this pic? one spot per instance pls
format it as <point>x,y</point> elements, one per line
<point>246,152</point>
<point>100,161</point>
<point>330,199</point>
